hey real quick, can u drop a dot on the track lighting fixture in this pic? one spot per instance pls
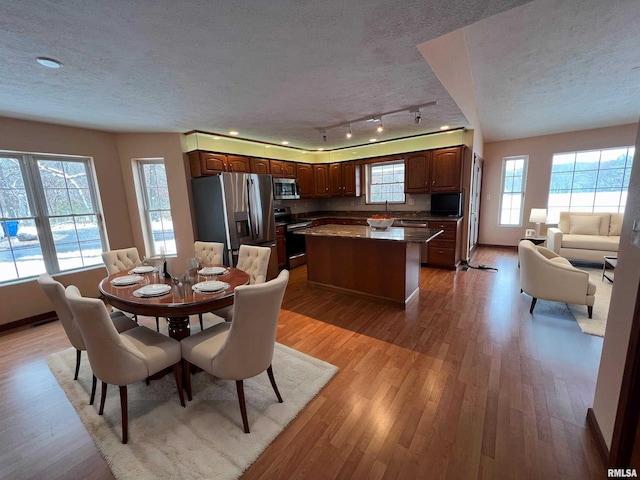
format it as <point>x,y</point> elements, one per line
<point>418,118</point>
<point>380,128</point>
<point>349,133</point>
<point>324,135</point>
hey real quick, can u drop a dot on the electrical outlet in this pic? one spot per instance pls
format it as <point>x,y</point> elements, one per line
<point>411,201</point>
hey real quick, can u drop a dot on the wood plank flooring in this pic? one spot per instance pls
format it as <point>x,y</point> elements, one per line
<point>464,383</point>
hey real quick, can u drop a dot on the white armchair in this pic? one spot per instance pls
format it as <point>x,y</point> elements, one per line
<point>546,275</point>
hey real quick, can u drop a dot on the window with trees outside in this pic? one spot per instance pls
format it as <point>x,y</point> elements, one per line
<point>514,173</point>
<point>157,208</point>
<point>589,181</point>
<point>385,182</point>
<point>50,215</point>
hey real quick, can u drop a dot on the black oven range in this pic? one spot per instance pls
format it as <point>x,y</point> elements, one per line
<point>295,244</point>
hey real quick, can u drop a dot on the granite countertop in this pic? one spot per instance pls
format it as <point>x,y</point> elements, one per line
<point>402,234</point>
<point>360,215</point>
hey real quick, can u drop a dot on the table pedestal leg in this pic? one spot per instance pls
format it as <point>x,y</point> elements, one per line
<point>178,327</point>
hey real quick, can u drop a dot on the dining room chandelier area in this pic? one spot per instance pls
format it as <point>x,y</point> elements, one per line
<point>375,120</point>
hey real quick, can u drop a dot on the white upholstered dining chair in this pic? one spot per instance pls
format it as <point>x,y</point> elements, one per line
<point>123,259</point>
<point>243,348</point>
<point>209,253</point>
<point>55,292</point>
<point>122,358</point>
<point>253,260</point>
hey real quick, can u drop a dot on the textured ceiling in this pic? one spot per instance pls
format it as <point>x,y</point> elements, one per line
<point>283,69</point>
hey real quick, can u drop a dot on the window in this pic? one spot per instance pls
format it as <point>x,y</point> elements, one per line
<point>50,215</point>
<point>589,181</point>
<point>385,182</point>
<point>157,209</point>
<point>514,172</point>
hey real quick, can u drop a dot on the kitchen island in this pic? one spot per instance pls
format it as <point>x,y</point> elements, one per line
<point>380,265</point>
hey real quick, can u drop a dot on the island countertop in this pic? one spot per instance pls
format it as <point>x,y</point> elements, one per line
<point>397,234</point>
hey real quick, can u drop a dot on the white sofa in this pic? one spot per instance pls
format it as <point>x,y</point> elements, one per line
<point>586,237</point>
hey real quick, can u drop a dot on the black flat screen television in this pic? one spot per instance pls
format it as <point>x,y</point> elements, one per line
<point>446,204</point>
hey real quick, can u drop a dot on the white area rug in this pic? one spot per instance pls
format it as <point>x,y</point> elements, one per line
<point>205,440</point>
<point>597,324</point>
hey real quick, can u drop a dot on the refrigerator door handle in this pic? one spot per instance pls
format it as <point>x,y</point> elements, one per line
<point>257,222</point>
<point>249,219</point>
<point>251,201</point>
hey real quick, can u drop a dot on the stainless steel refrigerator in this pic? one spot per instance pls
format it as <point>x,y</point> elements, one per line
<point>234,209</point>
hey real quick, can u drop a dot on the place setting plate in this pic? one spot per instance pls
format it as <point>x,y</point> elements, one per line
<point>213,271</point>
<point>211,286</point>
<point>153,290</point>
<point>126,280</point>
<point>143,269</point>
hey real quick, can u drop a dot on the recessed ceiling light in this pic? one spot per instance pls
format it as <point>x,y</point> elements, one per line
<point>373,139</point>
<point>444,127</point>
<point>320,149</point>
<point>285,142</point>
<point>233,132</point>
<point>49,62</point>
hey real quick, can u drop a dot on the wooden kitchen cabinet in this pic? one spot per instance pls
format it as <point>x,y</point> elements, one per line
<point>417,172</point>
<point>304,172</point>
<point>446,170</point>
<point>344,179</point>
<point>260,165</point>
<point>281,247</point>
<point>283,169</point>
<point>434,171</point>
<point>208,163</point>
<point>321,183</point>
<point>444,250</point>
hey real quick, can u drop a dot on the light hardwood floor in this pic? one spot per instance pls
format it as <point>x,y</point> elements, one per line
<point>463,384</point>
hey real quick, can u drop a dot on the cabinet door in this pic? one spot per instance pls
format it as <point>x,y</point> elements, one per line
<point>238,164</point>
<point>290,170</point>
<point>321,181</point>
<point>335,180</point>
<point>446,170</point>
<point>281,247</point>
<point>305,179</point>
<point>276,168</point>
<point>260,165</point>
<point>416,172</point>
<point>350,179</point>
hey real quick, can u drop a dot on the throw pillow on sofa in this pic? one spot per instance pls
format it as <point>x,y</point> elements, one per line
<point>585,225</point>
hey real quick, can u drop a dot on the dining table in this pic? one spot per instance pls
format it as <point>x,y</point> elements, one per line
<point>126,291</point>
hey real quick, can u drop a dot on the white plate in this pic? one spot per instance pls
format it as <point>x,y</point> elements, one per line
<point>153,290</point>
<point>143,269</point>
<point>126,280</point>
<point>213,271</point>
<point>212,286</point>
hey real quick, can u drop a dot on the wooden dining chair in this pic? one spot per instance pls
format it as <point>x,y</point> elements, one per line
<point>122,358</point>
<point>55,292</point>
<point>243,348</point>
<point>253,260</point>
<point>122,260</point>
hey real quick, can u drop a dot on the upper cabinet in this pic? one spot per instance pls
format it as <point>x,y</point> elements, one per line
<point>321,180</point>
<point>304,173</point>
<point>344,179</point>
<point>207,163</point>
<point>283,169</point>
<point>434,171</point>
<point>260,165</point>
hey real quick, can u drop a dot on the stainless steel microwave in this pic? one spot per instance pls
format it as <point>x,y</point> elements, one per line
<point>286,189</point>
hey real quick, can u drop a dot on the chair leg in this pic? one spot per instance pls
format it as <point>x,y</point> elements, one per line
<point>590,311</point>
<point>177,372</point>
<point>243,407</point>
<point>273,383</point>
<point>104,397</point>
<point>78,357</point>
<point>125,413</point>
<point>157,324</point>
<point>93,389</point>
<point>533,304</point>
<point>201,323</point>
<point>186,368</point>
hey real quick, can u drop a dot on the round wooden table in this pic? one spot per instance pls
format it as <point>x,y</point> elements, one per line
<point>172,305</point>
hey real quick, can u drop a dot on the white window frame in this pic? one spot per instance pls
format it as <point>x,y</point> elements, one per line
<point>153,247</point>
<point>504,193</point>
<point>369,174</point>
<point>609,200</point>
<point>37,219</point>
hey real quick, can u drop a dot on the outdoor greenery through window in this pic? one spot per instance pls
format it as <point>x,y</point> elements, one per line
<point>385,182</point>
<point>49,214</point>
<point>157,209</point>
<point>589,181</point>
<point>514,171</point>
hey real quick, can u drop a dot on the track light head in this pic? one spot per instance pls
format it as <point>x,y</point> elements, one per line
<point>418,118</point>
<point>324,135</point>
<point>349,133</point>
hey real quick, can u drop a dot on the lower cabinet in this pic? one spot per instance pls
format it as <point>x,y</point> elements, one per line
<point>444,250</point>
<point>281,247</point>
